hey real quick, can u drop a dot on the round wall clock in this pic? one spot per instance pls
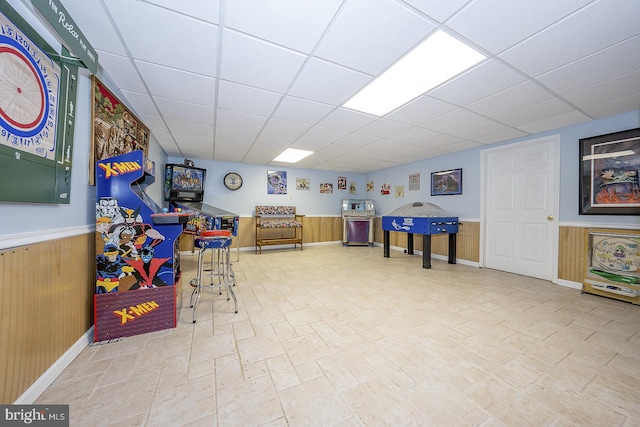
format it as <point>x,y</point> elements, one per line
<point>233,181</point>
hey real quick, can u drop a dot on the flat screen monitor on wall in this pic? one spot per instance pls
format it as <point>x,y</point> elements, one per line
<point>184,183</point>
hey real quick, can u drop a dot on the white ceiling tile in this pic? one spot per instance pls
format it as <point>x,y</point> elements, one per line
<point>231,135</point>
<point>535,112</point>
<point>301,110</point>
<point>122,72</point>
<point>186,111</point>
<point>504,135</point>
<point>420,110</point>
<point>141,103</point>
<point>247,99</point>
<point>291,23</point>
<point>487,78</point>
<point>322,133</point>
<point>276,140</point>
<point>451,121</point>
<point>443,143</point>
<point>149,38</point>
<point>612,108</point>
<point>207,10</point>
<point>437,9</point>
<point>415,135</point>
<point>328,83</point>
<point>286,128</point>
<point>356,140</point>
<point>555,122</point>
<point>347,120</point>
<point>98,31</point>
<point>479,129</point>
<point>196,146</point>
<point>365,35</point>
<point>383,128</point>
<point>238,120</point>
<point>595,27</point>
<point>276,91</point>
<point>310,144</point>
<point>607,91</point>
<point>257,63</point>
<point>513,98</point>
<point>179,127</point>
<point>498,24</point>
<point>175,84</point>
<point>460,145</point>
<point>155,124</point>
<point>227,153</point>
<point>604,65</point>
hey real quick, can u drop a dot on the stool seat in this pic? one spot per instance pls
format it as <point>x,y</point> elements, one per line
<point>210,233</point>
<point>218,269</point>
<point>212,242</point>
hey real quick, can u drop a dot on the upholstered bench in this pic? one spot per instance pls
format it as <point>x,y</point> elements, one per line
<point>278,225</point>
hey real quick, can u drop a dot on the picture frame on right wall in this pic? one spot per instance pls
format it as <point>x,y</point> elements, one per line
<point>446,183</point>
<point>609,169</point>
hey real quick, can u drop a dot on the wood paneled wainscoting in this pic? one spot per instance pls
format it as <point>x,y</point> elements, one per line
<point>572,253</point>
<point>571,246</point>
<point>45,307</point>
<point>315,230</point>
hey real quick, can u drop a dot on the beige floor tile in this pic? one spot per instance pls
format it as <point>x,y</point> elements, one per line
<point>335,336</point>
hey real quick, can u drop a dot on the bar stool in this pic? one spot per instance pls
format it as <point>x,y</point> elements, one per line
<point>218,268</point>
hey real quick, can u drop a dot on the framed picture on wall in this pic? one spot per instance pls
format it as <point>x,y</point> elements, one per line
<point>609,168</point>
<point>276,182</point>
<point>115,129</point>
<point>445,183</point>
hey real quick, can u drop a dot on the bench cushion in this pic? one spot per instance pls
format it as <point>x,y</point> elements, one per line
<point>280,223</point>
<point>275,210</point>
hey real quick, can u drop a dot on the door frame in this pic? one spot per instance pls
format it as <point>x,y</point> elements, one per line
<point>556,140</point>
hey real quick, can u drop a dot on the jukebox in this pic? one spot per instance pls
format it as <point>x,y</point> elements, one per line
<point>357,222</point>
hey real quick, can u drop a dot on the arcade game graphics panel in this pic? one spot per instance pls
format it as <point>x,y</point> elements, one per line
<point>137,286</point>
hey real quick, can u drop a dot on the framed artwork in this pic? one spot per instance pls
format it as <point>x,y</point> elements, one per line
<point>609,167</point>
<point>370,186</point>
<point>352,188</point>
<point>326,188</point>
<point>342,183</point>
<point>385,189</point>
<point>115,130</point>
<point>414,181</point>
<point>276,182</point>
<point>445,183</point>
<point>303,184</point>
<point>399,191</point>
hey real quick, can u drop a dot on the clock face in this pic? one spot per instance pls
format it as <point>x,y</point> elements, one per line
<point>232,181</point>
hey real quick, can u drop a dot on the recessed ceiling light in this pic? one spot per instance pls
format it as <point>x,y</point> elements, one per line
<point>436,60</point>
<point>292,155</point>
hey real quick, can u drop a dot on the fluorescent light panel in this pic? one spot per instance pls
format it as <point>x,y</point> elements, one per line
<point>434,61</point>
<point>292,155</point>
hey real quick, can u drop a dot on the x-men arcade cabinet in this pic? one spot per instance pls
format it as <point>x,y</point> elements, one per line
<point>137,286</point>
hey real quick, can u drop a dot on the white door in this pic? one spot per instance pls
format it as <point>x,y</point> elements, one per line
<point>520,207</point>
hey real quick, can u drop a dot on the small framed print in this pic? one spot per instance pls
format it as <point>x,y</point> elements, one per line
<point>446,183</point>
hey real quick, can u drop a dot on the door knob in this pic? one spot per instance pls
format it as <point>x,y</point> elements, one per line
<point>550,218</point>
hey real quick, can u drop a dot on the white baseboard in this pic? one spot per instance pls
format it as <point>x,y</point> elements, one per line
<point>46,379</point>
<point>569,284</point>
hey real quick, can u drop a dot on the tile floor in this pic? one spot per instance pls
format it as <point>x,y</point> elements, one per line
<point>336,336</point>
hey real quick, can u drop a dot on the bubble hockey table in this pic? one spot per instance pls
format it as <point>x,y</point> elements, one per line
<point>421,218</point>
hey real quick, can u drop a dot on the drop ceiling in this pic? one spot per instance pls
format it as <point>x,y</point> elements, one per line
<point>241,80</point>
